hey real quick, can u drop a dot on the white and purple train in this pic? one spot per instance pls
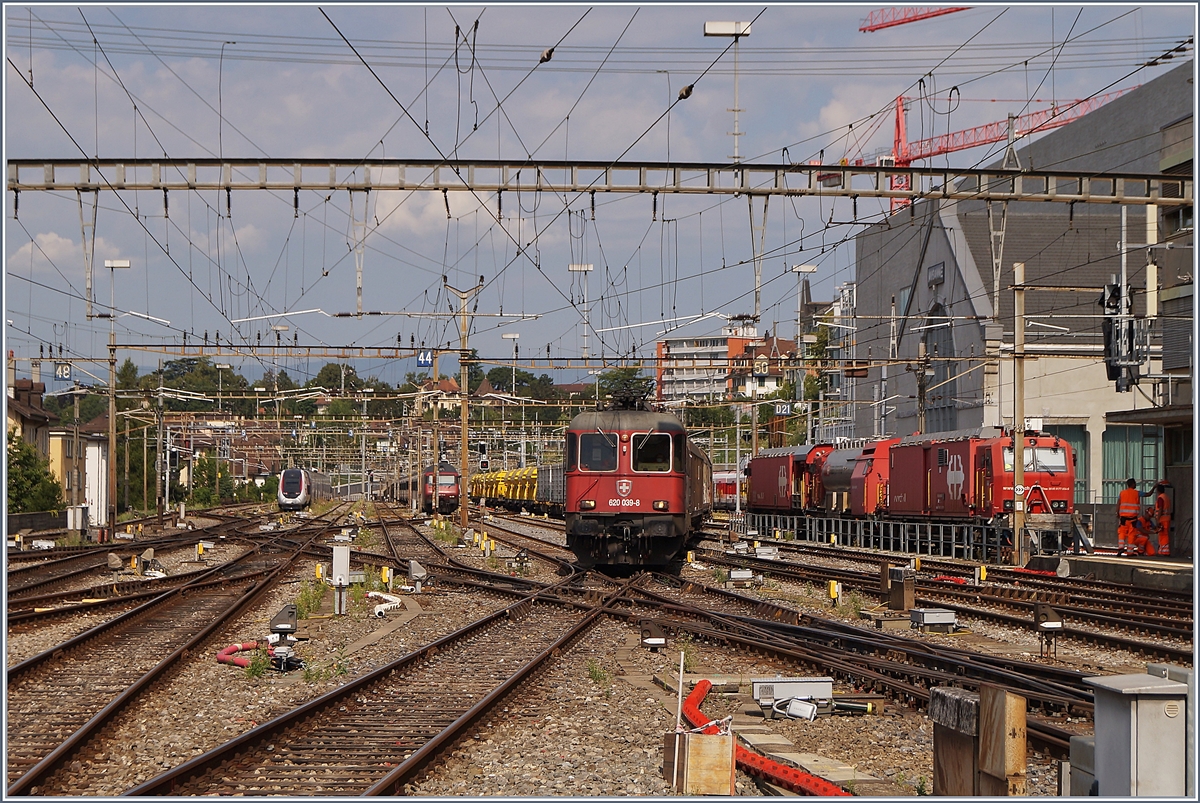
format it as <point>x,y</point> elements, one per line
<point>300,487</point>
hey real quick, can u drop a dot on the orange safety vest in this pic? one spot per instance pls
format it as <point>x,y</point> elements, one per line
<point>1162,505</point>
<point>1128,505</point>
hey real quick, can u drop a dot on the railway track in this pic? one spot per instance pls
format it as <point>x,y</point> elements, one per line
<point>59,698</point>
<point>879,663</point>
<point>943,595</point>
<point>1061,589</point>
<point>373,735</point>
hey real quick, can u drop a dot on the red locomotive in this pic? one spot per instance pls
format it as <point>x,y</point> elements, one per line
<point>442,498</point>
<point>636,487</point>
<point>965,475</point>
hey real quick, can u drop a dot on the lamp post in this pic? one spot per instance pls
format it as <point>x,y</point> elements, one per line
<point>220,115</point>
<point>257,391</point>
<point>363,481</point>
<point>737,30</point>
<point>112,265</point>
<point>221,366</point>
<point>585,270</point>
<point>596,373</point>
<point>514,336</point>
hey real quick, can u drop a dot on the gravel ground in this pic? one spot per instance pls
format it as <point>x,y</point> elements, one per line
<point>21,646</point>
<point>578,729</point>
<point>204,704</point>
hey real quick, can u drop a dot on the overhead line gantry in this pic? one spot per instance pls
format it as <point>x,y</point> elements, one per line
<point>585,177</point>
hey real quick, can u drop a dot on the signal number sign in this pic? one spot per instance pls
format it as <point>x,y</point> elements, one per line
<point>425,359</point>
<point>62,370</point>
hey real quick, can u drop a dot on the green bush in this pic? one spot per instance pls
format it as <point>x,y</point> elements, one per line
<point>259,664</point>
<point>312,594</point>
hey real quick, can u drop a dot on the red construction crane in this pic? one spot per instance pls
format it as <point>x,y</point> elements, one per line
<point>904,153</point>
<point>890,17</point>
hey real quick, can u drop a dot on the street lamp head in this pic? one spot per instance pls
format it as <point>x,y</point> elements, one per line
<point>260,390</point>
<point>116,263</point>
<point>222,366</point>
<point>726,28</point>
<point>804,268</point>
<point>578,268</point>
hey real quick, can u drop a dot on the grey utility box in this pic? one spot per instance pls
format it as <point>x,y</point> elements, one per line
<point>815,688</point>
<point>341,566</point>
<point>1183,674</point>
<point>1141,733</point>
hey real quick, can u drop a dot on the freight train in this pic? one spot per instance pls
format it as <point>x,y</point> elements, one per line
<point>441,495</point>
<point>300,487</point>
<point>632,492</point>
<point>965,475</point>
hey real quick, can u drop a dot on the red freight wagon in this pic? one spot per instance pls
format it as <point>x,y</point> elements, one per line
<point>869,484</point>
<point>776,477</point>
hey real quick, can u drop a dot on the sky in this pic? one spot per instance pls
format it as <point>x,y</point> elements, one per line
<point>426,82</point>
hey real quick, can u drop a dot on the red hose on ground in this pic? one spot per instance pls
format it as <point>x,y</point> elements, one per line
<point>768,769</point>
<point>1039,572</point>
<point>226,655</point>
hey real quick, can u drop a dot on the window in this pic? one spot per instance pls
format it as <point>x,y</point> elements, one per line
<point>597,451</point>
<point>446,479</point>
<point>1041,458</point>
<point>652,452</point>
<point>69,448</point>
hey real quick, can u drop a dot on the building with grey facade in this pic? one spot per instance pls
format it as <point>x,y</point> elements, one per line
<point>935,318</point>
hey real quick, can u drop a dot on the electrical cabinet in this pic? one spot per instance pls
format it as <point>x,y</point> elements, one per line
<point>1141,736</point>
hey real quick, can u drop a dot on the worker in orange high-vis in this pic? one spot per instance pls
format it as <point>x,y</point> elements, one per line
<point>1141,530</point>
<point>1128,509</point>
<point>1162,513</point>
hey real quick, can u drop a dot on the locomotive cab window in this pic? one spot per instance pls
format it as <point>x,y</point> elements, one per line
<point>572,451</point>
<point>1039,458</point>
<point>597,452</point>
<point>652,452</point>
<point>447,479</point>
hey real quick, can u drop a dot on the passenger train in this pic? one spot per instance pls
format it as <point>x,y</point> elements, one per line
<point>300,487</point>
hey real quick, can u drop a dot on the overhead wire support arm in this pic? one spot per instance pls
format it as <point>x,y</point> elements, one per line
<point>585,177</point>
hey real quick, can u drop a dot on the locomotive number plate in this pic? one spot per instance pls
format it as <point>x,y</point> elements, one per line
<point>624,502</point>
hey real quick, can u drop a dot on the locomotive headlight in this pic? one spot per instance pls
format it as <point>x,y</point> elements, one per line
<point>661,504</point>
<point>587,504</point>
<point>1008,505</point>
<point>1059,506</point>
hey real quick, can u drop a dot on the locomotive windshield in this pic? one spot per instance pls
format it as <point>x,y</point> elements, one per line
<point>597,452</point>
<point>1041,458</point>
<point>447,479</point>
<point>652,452</point>
<point>291,481</point>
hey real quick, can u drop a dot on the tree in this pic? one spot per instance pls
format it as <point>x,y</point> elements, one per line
<point>31,486</point>
<point>474,371</point>
<point>626,380</point>
<point>330,378</point>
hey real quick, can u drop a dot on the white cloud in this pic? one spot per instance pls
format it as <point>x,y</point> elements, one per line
<point>65,253</point>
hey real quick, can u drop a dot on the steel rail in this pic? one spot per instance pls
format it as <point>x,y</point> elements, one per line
<point>858,580</point>
<point>68,748</point>
<point>176,779</point>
